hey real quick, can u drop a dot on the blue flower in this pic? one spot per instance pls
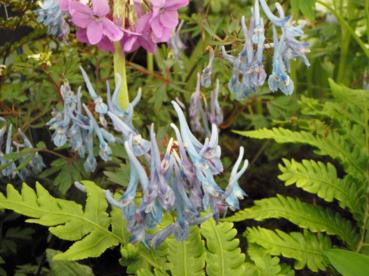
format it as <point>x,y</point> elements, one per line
<point>205,77</point>
<point>279,79</point>
<point>51,16</point>
<point>100,106</point>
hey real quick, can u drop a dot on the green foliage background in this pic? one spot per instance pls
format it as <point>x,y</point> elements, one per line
<point>307,191</point>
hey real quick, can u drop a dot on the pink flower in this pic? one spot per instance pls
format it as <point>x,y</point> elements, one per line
<point>141,37</point>
<point>105,44</point>
<point>94,20</point>
<point>165,18</point>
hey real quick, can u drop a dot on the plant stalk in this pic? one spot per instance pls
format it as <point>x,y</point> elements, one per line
<point>119,13</point>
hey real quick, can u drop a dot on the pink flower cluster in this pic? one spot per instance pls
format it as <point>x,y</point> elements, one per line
<point>96,26</point>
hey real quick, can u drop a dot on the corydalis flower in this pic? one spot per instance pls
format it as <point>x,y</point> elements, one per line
<point>31,162</point>
<point>206,73</point>
<point>248,70</point>
<point>51,15</point>
<point>279,79</point>
<point>181,181</point>
<point>200,115</point>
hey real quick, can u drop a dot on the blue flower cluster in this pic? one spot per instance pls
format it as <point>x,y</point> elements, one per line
<point>76,126</point>
<point>248,70</point>
<point>34,161</point>
<point>180,181</point>
<point>51,16</point>
<point>200,114</point>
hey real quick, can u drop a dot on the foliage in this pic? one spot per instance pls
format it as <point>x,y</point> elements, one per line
<point>321,205</point>
<point>345,139</point>
<point>89,230</point>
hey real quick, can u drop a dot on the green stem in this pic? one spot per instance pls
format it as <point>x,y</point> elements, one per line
<point>346,26</point>
<point>150,62</point>
<point>120,69</point>
<point>119,57</point>
<point>366,7</point>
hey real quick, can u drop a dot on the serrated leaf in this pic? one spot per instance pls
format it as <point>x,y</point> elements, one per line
<point>66,268</point>
<point>314,218</point>
<point>223,255</point>
<point>89,228</point>
<point>187,257</point>
<point>305,248</point>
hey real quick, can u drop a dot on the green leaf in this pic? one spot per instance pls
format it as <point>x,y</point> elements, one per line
<point>66,268</point>
<point>187,257</point>
<point>348,263</point>
<point>307,7</point>
<point>223,256</point>
<point>334,145</point>
<point>264,263</point>
<point>314,218</point>
<point>321,179</point>
<point>306,248</point>
<point>89,228</point>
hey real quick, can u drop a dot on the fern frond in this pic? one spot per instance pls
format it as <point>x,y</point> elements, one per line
<point>66,268</point>
<point>306,248</point>
<point>321,179</point>
<point>264,264</point>
<point>334,145</point>
<point>223,256</point>
<point>187,257</point>
<point>314,218</point>
<point>67,220</point>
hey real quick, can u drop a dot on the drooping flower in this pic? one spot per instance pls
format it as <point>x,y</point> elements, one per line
<point>279,79</point>
<point>207,72</point>
<point>94,20</point>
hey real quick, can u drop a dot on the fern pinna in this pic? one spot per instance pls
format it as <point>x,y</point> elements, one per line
<point>343,135</point>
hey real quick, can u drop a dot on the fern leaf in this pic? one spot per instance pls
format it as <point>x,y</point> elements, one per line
<point>305,248</point>
<point>314,218</point>
<point>264,264</point>
<point>223,256</point>
<point>67,220</point>
<point>187,257</point>
<point>66,268</point>
<point>321,179</point>
<point>334,145</point>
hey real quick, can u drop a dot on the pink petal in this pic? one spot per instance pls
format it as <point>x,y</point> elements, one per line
<point>106,45</point>
<point>165,36</point>
<point>112,31</point>
<point>94,32</point>
<point>79,7</point>
<point>81,20</point>
<point>176,4</point>
<point>131,44</point>
<point>64,5</point>
<point>82,35</point>
<point>100,7</point>
<point>156,27</point>
<point>169,19</point>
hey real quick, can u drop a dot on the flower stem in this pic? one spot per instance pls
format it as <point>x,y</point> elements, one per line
<point>119,12</point>
<point>120,69</point>
<point>150,62</point>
